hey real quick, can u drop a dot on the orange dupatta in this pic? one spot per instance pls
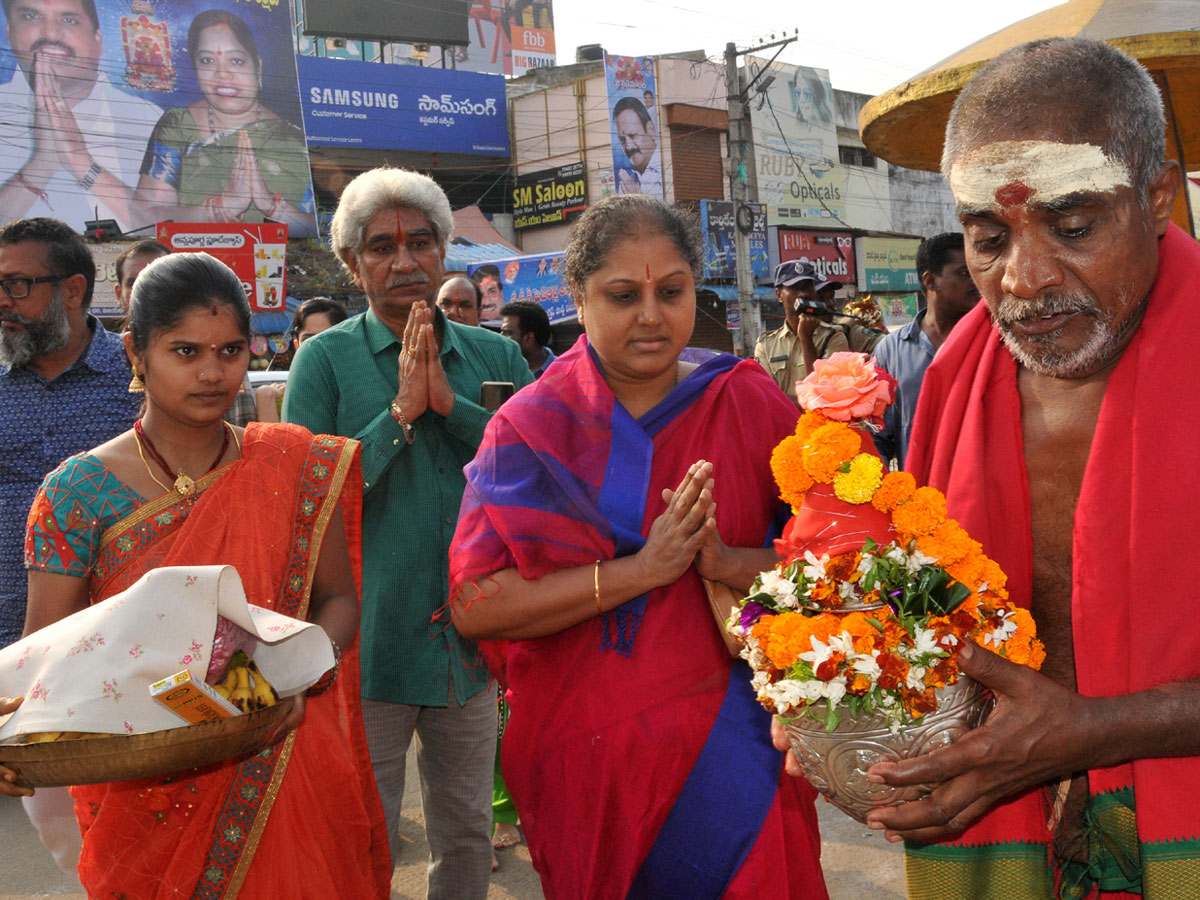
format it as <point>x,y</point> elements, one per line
<point>242,827</point>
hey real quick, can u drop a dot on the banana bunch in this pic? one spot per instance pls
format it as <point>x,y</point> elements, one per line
<point>245,686</point>
<point>45,737</point>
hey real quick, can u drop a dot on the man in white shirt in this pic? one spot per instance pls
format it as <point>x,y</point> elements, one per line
<point>635,132</point>
<point>71,144</point>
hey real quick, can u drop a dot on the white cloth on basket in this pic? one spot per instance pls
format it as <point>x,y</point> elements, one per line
<point>92,671</point>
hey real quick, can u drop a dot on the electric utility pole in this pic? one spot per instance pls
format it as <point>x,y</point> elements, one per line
<point>741,143</point>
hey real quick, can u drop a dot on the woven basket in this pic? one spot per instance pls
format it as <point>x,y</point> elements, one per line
<point>127,756</point>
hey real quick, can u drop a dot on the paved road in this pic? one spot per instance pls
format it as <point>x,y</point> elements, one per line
<point>858,863</point>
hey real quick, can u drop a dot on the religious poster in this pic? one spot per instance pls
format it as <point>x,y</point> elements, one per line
<point>141,111</point>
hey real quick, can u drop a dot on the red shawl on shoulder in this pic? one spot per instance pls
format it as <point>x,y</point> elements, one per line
<point>1137,511</point>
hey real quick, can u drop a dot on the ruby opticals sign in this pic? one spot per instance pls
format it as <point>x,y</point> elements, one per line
<point>549,197</point>
<point>831,254</point>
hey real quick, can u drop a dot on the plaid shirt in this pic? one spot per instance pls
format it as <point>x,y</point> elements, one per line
<point>44,423</point>
<point>244,408</point>
<point>343,381</point>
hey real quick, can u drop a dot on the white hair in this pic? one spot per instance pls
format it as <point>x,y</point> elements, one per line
<point>387,188</point>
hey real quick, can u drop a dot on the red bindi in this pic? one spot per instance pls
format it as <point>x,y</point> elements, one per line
<point>647,271</point>
<point>1014,193</point>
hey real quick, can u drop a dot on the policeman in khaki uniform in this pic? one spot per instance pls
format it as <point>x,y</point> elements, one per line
<point>789,352</point>
<point>862,337</point>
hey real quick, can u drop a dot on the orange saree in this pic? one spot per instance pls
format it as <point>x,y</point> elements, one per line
<point>301,818</point>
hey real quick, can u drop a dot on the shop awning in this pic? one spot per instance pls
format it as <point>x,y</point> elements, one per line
<point>729,292</point>
<point>274,321</point>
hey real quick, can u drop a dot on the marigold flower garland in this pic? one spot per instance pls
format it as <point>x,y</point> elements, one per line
<point>873,630</point>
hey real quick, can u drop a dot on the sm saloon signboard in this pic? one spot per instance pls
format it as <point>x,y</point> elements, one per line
<point>549,197</point>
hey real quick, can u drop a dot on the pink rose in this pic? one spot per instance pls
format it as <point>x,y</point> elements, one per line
<point>846,386</point>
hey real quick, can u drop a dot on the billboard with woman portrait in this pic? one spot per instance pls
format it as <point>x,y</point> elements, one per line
<point>796,145</point>
<point>142,111</point>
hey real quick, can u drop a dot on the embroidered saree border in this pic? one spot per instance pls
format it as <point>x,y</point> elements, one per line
<point>260,820</point>
<point>1169,870</point>
<point>142,527</point>
<point>308,531</point>
<point>249,800</point>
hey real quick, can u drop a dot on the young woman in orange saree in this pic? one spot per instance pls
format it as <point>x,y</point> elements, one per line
<point>299,818</point>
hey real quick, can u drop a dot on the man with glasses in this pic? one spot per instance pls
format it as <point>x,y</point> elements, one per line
<point>63,381</point>
<point>64,388</point>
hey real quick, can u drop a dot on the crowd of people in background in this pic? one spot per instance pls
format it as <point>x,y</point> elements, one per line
<point>561,541</point>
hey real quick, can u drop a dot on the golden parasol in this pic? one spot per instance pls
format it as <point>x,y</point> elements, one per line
<point>905,125</point>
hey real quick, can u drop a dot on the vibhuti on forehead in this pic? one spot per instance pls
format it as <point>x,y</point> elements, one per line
<point>1014,173</point>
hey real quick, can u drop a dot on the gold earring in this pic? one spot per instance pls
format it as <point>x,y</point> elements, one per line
<point>137,386</point>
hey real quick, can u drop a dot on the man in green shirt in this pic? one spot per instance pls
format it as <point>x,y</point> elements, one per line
<point>405,381</point>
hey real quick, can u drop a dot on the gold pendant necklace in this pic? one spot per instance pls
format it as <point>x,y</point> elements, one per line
<point>185,485</point>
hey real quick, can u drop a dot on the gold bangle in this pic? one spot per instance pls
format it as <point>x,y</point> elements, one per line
<point>596,583</point>
<point>398,415</point>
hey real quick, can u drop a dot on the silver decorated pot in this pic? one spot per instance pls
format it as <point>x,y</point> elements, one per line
<point>836,762</point>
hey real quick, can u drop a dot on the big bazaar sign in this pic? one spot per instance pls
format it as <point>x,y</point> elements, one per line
<point>831,253</point>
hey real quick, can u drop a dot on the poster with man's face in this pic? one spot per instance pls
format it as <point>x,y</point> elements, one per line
<point>138,111</point>
<point>633,121</point>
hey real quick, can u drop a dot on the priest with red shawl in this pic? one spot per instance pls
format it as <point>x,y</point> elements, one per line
<point>1055,422</point>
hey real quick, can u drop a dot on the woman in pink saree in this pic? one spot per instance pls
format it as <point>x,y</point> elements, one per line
<point>602,497</point>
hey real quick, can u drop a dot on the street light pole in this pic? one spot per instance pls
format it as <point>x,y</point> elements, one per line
<point>741,144</point>
<point>738,192</point>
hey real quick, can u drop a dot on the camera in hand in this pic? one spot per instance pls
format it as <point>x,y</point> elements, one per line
<point>814,308</point>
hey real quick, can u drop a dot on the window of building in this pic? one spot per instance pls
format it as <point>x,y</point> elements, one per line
<point>856,156</point>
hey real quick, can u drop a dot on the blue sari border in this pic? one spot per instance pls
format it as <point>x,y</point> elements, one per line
<point>730,789</point>
<point>623,494</point>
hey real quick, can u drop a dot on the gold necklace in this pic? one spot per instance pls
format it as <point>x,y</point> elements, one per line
<point>149,471</point>
<point>185,485</point>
